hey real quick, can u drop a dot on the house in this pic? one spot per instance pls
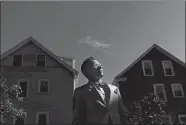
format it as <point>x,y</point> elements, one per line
<point>158,71</point>
<point>47,82</point>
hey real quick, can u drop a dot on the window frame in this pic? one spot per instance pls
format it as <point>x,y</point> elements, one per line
<point>42,112</point>
<point>164,91</point>
<point>143,67</point>
<point>21,60</point>
<point>179,117</point>
<point>23,80</point>
<point>181,89</point>
<point>172,69</point>
<point>37,60</point>
<point>39,84</point>
<point>14,121</point>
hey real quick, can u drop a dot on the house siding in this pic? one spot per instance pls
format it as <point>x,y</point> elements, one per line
<point>58,102</point>
<point>33,50</point>
<point>137,85</point>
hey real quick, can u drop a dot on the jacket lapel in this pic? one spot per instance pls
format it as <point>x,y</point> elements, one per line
<point>95,94</point>
<point>107,93</point>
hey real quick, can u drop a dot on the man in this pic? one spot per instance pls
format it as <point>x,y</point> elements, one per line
<point>97,102</point>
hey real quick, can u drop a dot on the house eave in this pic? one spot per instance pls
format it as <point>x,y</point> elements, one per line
<point>31,39</point>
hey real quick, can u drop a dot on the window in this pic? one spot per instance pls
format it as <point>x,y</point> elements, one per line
<point>168,68</point>
<point>24,87</point>
<point>17,60</point>
<point>147,68</point>
<point>44,86</point>
<point>182,118</point>
<point>40,61</point>
<point>18,121</point>
<point>42,118</point>
<point>177,90</point>
<point>160,90</point>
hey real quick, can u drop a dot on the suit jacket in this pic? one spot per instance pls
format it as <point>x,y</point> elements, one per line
<point>90,108</point>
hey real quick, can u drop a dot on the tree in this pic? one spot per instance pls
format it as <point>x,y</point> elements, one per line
<point>7,108</point>
<point>150,111</point>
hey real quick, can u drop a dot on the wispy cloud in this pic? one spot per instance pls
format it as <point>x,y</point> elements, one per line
<point>94,43</point>
<point>108,53</point>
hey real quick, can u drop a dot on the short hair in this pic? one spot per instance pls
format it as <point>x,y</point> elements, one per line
<point>84,64</point>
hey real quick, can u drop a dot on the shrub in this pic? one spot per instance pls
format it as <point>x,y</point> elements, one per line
<point>7,108</point>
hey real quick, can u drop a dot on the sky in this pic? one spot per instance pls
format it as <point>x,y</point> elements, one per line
<point>116,33</point>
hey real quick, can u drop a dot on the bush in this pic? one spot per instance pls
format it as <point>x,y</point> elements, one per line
<point>7,108</point>
<point>150,111</point>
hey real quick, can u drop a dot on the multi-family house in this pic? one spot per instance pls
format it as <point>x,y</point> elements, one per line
<point>47,82</point>
<point>158,71</point>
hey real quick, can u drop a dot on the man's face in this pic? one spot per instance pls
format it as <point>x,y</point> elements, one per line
<point>95,69</point>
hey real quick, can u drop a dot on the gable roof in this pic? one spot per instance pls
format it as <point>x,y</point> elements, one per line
<point>32,40</point>
<point>146,52</point>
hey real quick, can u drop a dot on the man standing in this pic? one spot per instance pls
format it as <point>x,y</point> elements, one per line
<point>97,102</point>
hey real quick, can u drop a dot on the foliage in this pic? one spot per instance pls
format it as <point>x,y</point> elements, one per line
<point>150,111</point>
<point>7,108</point>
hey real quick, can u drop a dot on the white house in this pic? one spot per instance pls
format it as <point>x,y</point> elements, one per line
<point>47,82</point>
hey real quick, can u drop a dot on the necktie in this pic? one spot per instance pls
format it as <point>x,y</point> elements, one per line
<point>100,91</point>
<point>98,86</point>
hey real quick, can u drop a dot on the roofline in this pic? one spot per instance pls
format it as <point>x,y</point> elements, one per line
<point>31,39</point>
<point>116,80</point>
<point>146,52</point>
<point>68,58</point>
<point>14,48</point>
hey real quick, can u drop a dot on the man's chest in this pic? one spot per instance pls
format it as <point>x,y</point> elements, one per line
<point>101,92</point>
<point>104,97</point>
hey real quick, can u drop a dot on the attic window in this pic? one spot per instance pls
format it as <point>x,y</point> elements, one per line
<point>40,61</point>
<point>147,68</point>
<point>168,68</point>
<point>17,60</point>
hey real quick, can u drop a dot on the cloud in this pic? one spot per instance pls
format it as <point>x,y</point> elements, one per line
<point>94,43</point>
<point>108,53</point>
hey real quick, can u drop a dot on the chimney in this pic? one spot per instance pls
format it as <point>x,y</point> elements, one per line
<point>69,60</point>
